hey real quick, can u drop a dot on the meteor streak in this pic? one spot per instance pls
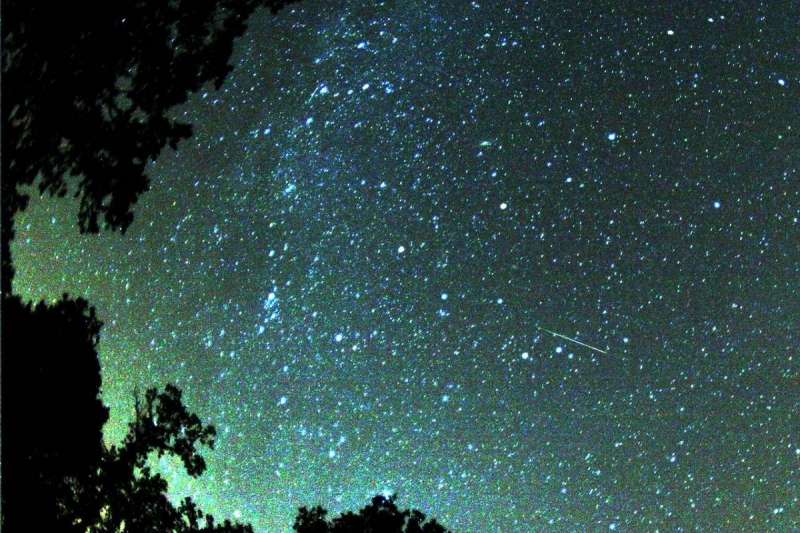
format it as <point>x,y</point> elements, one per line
<point>312,94</point>
<point>570,339</point>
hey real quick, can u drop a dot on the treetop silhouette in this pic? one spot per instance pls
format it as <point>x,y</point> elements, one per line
<point>87,89</point>
<point>381,516</point>
<point>58,475</point>
<point>87,92</point>
<point>134,498</point>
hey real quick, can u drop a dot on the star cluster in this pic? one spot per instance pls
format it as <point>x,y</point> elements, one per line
<point>355,267</point>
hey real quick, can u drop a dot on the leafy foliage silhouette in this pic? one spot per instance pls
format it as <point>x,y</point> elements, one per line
<point>87,89</point>
<point>83,114</point>
<point>134,498</point>
<point>87,92</point>
<point>57,473</point>
<point>381,516</point>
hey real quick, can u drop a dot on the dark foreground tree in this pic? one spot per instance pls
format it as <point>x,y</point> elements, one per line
<point>57,473</point>
<point>87,89</point>
<point>133,497</point>
<point>380,516</point>
<point>52,413</point>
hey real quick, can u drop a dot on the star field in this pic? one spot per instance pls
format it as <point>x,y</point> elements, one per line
<point>354,267</point>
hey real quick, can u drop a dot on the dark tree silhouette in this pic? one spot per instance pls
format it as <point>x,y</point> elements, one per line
<point>87,88</point>
<point>380,516</point>
<point>52,413</point>
<point>57,473</point>
<point>133,497</point>
<point>87,92</point>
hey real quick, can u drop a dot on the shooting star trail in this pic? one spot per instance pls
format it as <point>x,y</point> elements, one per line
<point>596,349</point>
<point>312,94</point>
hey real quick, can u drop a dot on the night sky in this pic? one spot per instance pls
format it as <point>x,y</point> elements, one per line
<point>364,266</point>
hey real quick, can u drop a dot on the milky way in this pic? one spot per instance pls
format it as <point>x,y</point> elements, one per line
<point>353,267</point>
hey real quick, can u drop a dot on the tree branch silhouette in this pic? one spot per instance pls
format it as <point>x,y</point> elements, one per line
<point>84,113</point>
